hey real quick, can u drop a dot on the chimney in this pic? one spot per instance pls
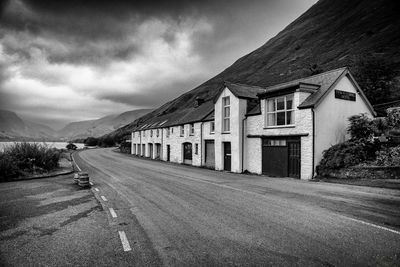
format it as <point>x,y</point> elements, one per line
<point>199,101</point>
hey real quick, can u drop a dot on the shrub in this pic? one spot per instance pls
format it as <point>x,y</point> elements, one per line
<point>71,146</point>
<point>21,158</point>
<point>361,127</point>
<point>393,118</point>
<point>346,154</point>
<point>388,157</point>
<point>91,141</point>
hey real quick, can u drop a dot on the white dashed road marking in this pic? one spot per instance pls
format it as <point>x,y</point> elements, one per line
<point>124,241</point>
<point>103,198</point>
<point>113,213</point>
<point>96,189</point>
<point>374,225</point>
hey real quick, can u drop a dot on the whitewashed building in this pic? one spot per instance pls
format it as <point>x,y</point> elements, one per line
<point>280,130</point>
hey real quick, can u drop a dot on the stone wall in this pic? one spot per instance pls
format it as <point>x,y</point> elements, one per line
<point>368,172</point>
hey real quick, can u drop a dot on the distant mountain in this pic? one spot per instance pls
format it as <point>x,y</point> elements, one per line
<point>331,34</point>
<point>12,127</point>
<point>99,127</point>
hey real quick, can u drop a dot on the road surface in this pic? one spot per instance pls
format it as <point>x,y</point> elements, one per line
<point>178,215</point>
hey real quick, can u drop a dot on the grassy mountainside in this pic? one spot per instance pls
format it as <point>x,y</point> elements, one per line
<point>331,34</point>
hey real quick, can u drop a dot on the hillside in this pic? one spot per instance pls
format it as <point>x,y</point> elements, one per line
<point>331,34</point>
<point>12,127</point>
<point>99,127</point>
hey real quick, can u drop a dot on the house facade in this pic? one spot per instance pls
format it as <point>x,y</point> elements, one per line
<point>281,130</point>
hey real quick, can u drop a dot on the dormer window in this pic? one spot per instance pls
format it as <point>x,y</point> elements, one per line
<point>280,111</point>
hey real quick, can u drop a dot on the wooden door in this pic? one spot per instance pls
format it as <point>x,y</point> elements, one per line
<point>227,156</point>
<point>294,158</point>
<point>209,153</point>
<point>187,153</point>
<point>168,152</point>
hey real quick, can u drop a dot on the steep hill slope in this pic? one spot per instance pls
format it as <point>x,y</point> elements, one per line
<point>331,34</point>
<point>99,127</point>
<point>12,127</point>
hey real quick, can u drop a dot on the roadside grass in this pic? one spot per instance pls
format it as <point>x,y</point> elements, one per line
<point>24,159</point>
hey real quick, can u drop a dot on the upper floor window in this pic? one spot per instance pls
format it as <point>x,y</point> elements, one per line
<point>212,127</point>
<point>167,132</point>
<point>158,132</point>
<point>182,130</point>
<point>191,129</point>
<point>280,111</point>
<point>133,135</point>
<point>151,133</point>
<point>226,113</point>
<point>172,129</point>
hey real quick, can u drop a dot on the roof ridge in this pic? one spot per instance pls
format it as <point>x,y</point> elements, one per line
<point>249,85</point>
<point>308,77</point>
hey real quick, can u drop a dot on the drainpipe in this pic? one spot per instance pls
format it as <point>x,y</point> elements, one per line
<point>162,144</point>
<point>245,118</point>
<point>313,142</point>
<point>141,152</point>
<point>201,143</point>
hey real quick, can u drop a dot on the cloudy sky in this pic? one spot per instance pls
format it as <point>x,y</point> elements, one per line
<point>70,60</point>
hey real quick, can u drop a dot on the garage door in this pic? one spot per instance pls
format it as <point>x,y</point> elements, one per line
<point>281,157</point>
<point>210,154</point>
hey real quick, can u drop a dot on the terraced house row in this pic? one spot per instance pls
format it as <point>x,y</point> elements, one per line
<point>280,130</point>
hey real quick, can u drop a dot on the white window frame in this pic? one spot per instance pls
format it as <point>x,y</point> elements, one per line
<point>285,110</point>
<point>224,117</point>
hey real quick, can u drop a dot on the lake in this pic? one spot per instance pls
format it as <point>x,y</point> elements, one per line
<point>58,145</point>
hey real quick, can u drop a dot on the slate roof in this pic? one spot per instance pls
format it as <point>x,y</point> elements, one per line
<point>184,116</point>
<point>243,90</point>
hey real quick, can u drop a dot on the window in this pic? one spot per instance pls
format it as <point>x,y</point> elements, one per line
<point>196,149</point>
<point>276,142</point>
<point>226,112</point>
<point>158,132</point>
<point>133,135</point>
<point>172,129</point>
<point>279,111</point>
<point>212,127</point>
<point>144,133</point>
<point>167,132</point>
<point>182,130</point>
<point>151,133</point>
<point>191,129</point>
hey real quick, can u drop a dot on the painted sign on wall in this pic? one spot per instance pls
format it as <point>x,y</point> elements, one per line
<point>345,95</point>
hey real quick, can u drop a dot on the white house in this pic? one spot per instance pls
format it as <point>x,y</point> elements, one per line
<point>280,130</point>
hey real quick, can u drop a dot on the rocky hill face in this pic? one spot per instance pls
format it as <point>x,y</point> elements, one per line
<point>331,34</point>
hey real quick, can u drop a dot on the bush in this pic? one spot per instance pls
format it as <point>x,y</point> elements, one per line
<point>361,127</point>
<point>388,157</point>
<point>21,158</point>
<point>393,119</point>
<point>91,141</point>
<point>346,154</point>
<point>71,146</point>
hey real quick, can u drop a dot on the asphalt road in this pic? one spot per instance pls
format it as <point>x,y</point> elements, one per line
<point>178,215</point>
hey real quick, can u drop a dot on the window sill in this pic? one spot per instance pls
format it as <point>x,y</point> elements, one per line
<point>212,132</point>
<point>226,133</point>
<point>280,126</point>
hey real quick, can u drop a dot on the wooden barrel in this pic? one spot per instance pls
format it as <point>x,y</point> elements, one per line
<point>84,179</point>
<point>76,178</point>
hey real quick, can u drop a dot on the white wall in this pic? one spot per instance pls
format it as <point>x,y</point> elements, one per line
<point>237,112</point>
<point>331,117</point>
<point>303,125</point>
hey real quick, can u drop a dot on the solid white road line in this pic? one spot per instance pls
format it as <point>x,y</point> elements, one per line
<point>76,164</point>
<point>96,189</point>
<point>375,225</point>
<point>124,241</point>
<point>91,183</point>
<point>113,213</point>
<point>103,198</point>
